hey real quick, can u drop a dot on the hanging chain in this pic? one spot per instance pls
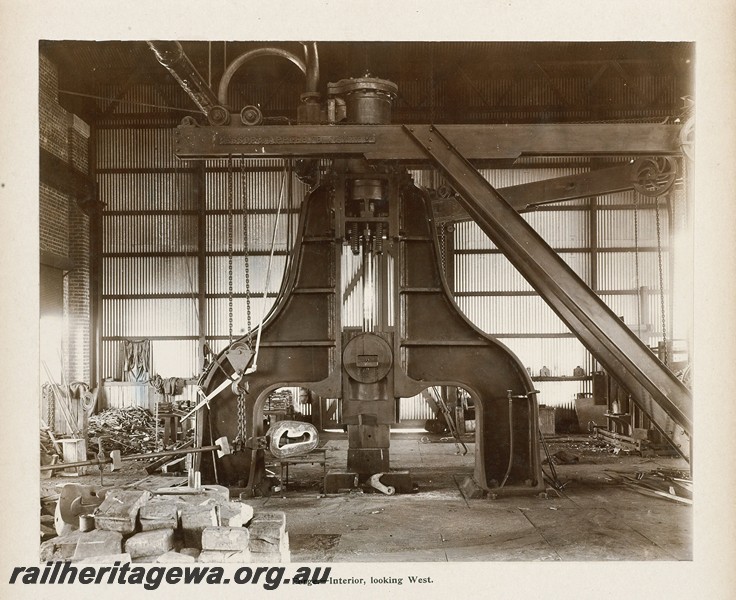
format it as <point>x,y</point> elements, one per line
<point>443,249</point>
<point>661,280</point>
<point>51,406</point>
<point>246,244</point>
<point>636,263</point>
<point>239,442</point>
<point>230,247</point>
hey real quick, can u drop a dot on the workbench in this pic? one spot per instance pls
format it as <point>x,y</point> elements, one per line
<point>318,456</point>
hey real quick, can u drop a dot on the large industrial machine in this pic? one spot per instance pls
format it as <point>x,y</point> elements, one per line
<point>366,207</point>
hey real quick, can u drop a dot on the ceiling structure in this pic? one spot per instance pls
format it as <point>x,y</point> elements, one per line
<point>441,82</point>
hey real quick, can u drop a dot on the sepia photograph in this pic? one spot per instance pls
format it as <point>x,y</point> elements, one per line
<point>366,301</point>
<point>414,299</point>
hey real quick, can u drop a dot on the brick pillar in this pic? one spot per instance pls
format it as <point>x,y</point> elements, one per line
<point>64,227</point>
<point>77,306</point>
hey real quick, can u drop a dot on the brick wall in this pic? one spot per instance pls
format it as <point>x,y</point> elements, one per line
<point>54,221</point>
<point>64,234</point>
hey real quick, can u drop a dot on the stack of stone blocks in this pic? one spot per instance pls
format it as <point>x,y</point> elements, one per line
<point>201,525</point>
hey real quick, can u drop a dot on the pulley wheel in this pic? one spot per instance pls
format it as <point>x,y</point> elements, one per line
<point>654,176</point>
<point>251,115</point>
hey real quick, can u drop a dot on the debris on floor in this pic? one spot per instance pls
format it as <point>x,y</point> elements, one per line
<point>563,457</point>
<point>671,484</point>
<point>195,524</point>
<point>130,430</point>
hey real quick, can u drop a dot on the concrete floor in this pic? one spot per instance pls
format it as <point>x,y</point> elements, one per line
<point>594,519</point>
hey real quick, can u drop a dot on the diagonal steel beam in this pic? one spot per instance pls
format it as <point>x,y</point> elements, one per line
<point>527,196</point>
<point>653,386</point>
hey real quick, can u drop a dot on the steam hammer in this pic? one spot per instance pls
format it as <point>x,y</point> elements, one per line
<point>221,446</point>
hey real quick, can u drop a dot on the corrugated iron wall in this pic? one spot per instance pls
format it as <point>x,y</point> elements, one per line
<point>153,247</point>
<point>611,243</point>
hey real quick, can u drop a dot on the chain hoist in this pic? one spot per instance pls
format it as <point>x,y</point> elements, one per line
<point>246,244</point>
<point>230,248</point>
<point>240,436</point>
<point>443,248</point>
<point>661,279</point>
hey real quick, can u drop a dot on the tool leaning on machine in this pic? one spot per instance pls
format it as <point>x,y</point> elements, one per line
<point>222,447</point>
<point>284,439</point>
<point>452,428</point>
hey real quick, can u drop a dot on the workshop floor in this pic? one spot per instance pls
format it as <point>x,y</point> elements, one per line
<point>594,519</point>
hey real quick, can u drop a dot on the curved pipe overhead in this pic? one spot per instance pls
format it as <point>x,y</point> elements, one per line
<point>247,57</point>
<point>312,57</point>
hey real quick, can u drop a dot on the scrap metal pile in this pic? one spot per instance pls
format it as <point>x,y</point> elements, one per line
<point>131,430</point>
<point>280,400</point>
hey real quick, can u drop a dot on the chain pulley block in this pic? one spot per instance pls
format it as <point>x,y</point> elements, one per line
<point>654,176</point>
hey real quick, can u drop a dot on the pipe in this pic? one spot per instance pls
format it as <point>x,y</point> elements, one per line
<point>511,439</point>
<point>312,59</point>
<point>171,55</point>
<point>248,56</point>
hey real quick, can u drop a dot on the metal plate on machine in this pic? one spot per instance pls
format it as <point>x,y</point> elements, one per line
<point>367,358</point>
<point>243,138</point>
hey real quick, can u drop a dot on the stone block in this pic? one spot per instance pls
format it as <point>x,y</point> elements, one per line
<point>176,557</point>
<point>194,519</point>
<point>119,510</point>
<point>283,555</point>
<point>199,495</point>
<point>225,538</point>
<point>61,547</point>
<point>233,514</point>
<point>99,542</point>
<point>159,514</point>
<point>337,481</point>
<point>266,536</point>
<point>224,556</point>
<point>150,543</point>
<point>275,516</point>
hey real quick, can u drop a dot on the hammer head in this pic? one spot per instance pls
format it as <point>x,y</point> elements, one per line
<point>224,447</point>
<point>116,460</point>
